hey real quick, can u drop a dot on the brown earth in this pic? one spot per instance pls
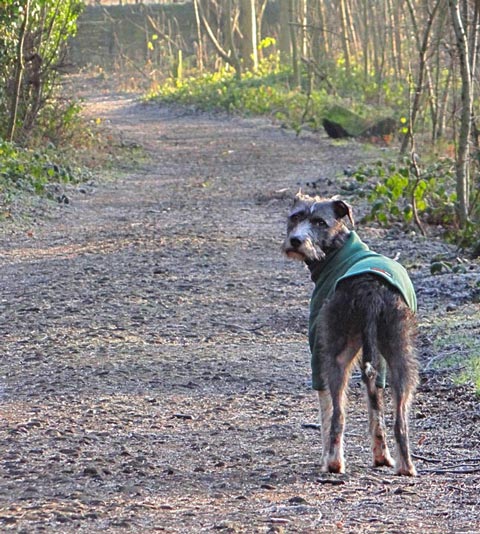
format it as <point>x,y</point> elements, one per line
<point>155,370</point>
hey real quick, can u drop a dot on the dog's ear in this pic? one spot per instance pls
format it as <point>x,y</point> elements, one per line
<point>342,209</point>
<point>298,197</point>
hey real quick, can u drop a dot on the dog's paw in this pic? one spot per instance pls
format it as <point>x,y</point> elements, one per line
<point>384,460</point>
<point>336,466</point>
<point>406,471</point>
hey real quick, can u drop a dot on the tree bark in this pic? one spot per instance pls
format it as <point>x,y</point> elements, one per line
<point>345,35</point>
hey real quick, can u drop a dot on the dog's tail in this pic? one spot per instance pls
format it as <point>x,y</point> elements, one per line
<point>371,355</point>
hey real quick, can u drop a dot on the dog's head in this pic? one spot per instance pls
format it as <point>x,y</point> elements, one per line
<point>315,227</point>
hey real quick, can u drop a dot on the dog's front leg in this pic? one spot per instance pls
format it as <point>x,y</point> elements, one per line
<point>325,401</point>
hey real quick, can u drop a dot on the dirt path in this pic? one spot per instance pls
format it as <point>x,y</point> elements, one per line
<point>155,366</point>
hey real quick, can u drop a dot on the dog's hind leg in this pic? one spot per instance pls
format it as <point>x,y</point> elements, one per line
<point>403,378</point>
<point>381,454</point>
<point>402,391</point>
<point>372,365</point>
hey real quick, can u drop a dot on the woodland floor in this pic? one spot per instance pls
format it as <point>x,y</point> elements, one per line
<point>155,368</point>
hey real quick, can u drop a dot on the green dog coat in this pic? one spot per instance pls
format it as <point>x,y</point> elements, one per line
<point>352,259</point>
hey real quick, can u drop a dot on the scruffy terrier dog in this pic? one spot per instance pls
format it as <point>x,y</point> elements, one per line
<point>362,310</point>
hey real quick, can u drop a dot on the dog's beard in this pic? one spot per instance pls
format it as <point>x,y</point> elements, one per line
<point>307,251</point>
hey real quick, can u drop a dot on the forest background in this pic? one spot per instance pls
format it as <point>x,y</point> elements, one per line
<point>399,73</point>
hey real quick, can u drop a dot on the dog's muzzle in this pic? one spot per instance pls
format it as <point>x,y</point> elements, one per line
<point>300,249</point>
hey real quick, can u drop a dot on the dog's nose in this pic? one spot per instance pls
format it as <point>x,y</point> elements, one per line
<point>295,242</point>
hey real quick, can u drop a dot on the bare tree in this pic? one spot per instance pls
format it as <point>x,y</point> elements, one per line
<point>228,54</point>
<point>423,68</point>
<point>199,36</point>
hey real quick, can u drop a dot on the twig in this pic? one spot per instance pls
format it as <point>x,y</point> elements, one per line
<point>244,328</point>
<point>313,426</point>
<point>438,357</point>
<point>424,459</point>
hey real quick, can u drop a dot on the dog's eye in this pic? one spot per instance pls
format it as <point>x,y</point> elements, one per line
<point>296,218</point>
<point>319,222</point>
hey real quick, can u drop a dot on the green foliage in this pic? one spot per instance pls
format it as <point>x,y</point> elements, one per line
<point>442,264</point>
<point>270,90</point>
<point>398,191</point>
<point>366,89</point>
<point>30,171</point>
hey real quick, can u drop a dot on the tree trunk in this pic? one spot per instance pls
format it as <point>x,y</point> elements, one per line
<point>248,28</point>
<point>260,13</point>
<point>18,74</point>
<point>284,43</point>
<point>423,70</point>
<point>199,37</point>
<point>462,163</point>
<point>293,23</point>
<point>345,35</point>
<point>304,32</point>
<point>232,53</point>
<point>320,49</point>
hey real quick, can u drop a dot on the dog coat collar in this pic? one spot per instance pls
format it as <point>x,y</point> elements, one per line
<point>355,258</point>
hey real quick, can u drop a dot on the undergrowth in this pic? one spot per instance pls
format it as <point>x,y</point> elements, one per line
<point>25,170</point>
<point>254,95</point>
<point>398,192</point>
<point>268,91</point>
<point>411,194</point>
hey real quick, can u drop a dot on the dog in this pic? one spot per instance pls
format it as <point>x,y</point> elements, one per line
<point>362,311</point>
